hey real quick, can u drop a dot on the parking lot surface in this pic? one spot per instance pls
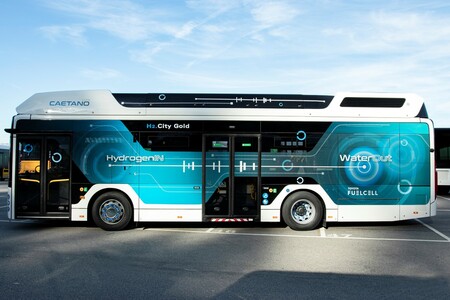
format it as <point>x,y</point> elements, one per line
<point>409,259</point>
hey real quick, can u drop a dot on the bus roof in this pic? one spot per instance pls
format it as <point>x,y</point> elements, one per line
<point>104,103</point>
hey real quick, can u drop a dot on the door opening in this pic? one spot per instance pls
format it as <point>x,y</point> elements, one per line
<point>43,176</point>
<point>231,172</point>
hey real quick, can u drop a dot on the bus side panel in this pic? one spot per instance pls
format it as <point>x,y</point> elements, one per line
<point>363,167</point>
<point>416,184</point>
<point>165,181</point>
<point>389,165</point>
<point>368,213</point>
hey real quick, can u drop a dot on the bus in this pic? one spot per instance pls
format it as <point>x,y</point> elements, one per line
<point>4,162</point>
<point>442,141</point>
<point>122,158</point>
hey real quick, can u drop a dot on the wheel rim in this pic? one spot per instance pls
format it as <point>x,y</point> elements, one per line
<point>111,211</point>
<point>303,211</point>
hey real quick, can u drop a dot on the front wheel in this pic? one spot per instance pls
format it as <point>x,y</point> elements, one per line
<point>302,211</point>
<point>112,211</point>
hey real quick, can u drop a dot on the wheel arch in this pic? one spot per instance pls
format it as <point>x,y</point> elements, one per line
<point>308,191</point>
<point>100,192</point>
<point>305,196</point>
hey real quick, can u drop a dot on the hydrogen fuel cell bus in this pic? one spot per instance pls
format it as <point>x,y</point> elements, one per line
<point>118,158</point>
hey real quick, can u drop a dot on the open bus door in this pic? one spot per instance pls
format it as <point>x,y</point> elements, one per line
<point>231,172</point>
<point>42,179</point>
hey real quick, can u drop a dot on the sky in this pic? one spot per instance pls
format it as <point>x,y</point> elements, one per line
<point>225,46</point>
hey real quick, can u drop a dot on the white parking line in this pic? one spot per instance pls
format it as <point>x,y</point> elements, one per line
<point>322,232</point>
<point>434,230</point>
<point>444,198</point>
<point>296,236</point>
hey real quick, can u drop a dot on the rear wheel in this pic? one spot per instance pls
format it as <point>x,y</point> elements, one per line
<point>302,211</point>
<point>112,211</point>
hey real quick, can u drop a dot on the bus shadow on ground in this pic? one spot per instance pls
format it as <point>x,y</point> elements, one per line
<point>36,224</point>
<point>305,285</point>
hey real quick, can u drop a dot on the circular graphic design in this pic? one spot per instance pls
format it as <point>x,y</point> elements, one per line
<point>28,148</point>
<point>301,135</point>
<point>404,184</point>
<point>97,166</point>
<point>363,166</point>
<point>287,165</point>
<point>56,157</point>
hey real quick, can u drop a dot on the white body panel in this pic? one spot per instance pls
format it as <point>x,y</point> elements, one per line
<point>443,177</point>
<point>102,103</point>
<point>271,213</point>
<point>142,212</point>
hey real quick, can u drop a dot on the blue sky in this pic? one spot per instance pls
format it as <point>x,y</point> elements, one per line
<point>248,46</point>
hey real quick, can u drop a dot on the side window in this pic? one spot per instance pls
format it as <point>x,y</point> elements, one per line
<point>163,141</point>
<point>442,139</point>
<point>444,153</point>
<point>283,143</point>
<point>290,137</point>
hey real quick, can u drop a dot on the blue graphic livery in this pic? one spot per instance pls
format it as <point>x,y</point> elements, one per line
<point>388,166</point>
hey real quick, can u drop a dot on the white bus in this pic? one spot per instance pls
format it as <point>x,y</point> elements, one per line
<point>305,160</point>
<point>442,141</point>
<point>4,162</point>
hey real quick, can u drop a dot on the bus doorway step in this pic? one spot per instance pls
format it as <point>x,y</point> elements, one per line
<point>230,220</point>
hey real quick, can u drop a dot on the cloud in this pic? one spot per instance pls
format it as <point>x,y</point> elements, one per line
<point>273,13</point>
<point>129,28</point>
<point>214,7</point>
<point>417,28</point>
<point>185,30</point>
<point>389,31</point>
<point>123,19</point>
<point>203,30</point>
<point>277,46</point>
<point>73,34</point>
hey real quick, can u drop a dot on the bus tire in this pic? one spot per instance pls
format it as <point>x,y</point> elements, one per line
<point>112,211</point>
<point>302,211</point>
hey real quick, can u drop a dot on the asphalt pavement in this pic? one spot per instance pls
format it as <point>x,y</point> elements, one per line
<point>68,260</point>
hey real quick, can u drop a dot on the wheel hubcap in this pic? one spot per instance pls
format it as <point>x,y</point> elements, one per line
<point>111,211</point>
<point>302,211</point>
